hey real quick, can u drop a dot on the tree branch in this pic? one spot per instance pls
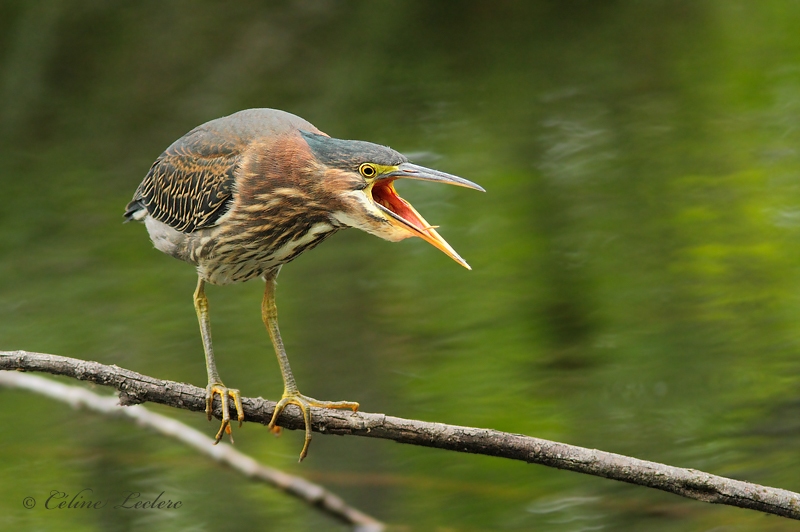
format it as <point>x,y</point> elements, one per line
<point>308,492</point>
<point>136,388</point>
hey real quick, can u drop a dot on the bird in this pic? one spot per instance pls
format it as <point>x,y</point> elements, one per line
<point>242,195</point>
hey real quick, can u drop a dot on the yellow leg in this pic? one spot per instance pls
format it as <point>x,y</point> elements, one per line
<point>291,395</point>
<point>215,385</point>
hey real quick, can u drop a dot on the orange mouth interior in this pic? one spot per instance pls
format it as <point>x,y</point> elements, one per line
<point>384,194</point>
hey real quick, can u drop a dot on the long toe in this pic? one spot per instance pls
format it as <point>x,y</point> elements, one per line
<point>224,393</point>
<point>305,404</point>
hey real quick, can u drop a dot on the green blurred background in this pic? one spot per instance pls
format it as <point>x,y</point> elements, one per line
<point>636,282</point>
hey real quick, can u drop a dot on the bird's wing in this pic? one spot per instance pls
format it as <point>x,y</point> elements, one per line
<point>190,186</point>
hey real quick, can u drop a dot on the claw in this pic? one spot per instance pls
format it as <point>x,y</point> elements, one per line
<point>305,404</point>
<point>223,392</point>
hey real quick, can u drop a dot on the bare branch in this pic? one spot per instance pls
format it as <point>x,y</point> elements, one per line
<point>308,492</point>
<point>136,388</point>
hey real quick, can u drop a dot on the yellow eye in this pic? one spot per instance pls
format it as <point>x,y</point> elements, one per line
<point>367,170</point>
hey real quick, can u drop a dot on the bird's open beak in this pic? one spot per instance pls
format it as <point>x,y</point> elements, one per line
<point>403,215</point>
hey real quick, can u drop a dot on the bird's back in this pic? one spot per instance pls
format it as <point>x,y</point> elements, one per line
<point>190,186</point>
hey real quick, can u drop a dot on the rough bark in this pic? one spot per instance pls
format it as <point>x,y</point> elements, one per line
<point>135,388</point>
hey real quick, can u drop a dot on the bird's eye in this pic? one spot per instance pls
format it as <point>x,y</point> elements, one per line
<point>367,170</point>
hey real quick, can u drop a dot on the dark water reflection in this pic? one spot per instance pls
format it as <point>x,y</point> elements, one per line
<point>635,282</point>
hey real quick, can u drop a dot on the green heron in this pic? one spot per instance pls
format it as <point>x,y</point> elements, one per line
<point>242,195</point>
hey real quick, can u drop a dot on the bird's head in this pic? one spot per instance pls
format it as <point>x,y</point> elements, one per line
<point>362,176</point>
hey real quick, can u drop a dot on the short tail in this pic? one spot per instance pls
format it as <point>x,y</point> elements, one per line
<point>135,211</point>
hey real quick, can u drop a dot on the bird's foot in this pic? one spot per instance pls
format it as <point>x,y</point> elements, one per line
<point>223,392</point>
<point>305,404</point>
